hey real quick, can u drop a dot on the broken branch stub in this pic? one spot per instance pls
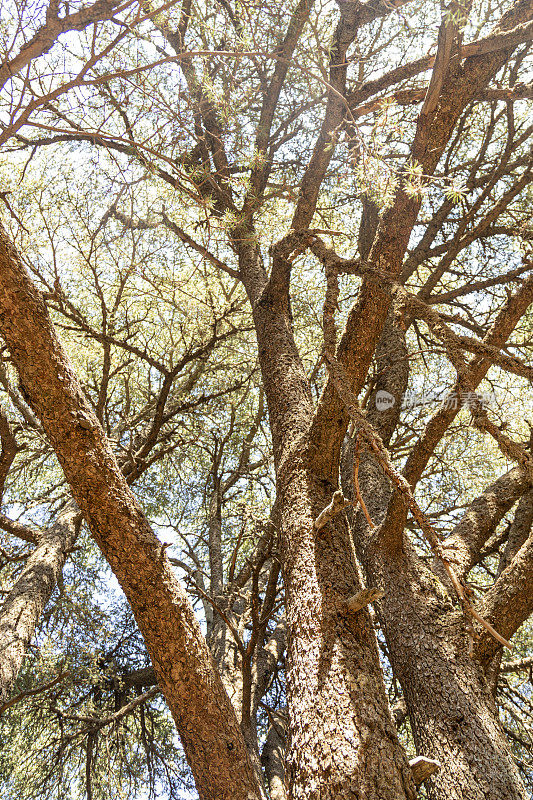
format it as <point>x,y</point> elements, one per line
<point>362,599</point>
<point>422,768</point>
<point>338,502</point>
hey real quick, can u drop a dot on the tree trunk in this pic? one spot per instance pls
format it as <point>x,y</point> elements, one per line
<point>25,603</point>
<point>273,757</point>
<point>342,742</point>
<point>450,705</point>
<point>185,670</point>
<point>451,708</point>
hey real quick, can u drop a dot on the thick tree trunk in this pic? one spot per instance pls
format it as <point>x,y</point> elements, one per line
<point>450,705</point>
<point>342,741</point>
<point>448,697</point>
<point>451,708</point>
<point>185,670</point>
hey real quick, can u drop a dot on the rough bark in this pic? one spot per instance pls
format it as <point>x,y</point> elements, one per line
<point>25,603</point>
<point>451,709</point>
<point>273,757</point>
<point>450,706</point>
<point>342,741</point>
<point>185,670</point>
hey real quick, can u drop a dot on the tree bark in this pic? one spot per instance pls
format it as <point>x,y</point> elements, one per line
<point>451,708</point>
<point>342,741</point>
<point>273,758</point>
<point>25,603</point>
<point>448,697</point>
<point>185,670</point>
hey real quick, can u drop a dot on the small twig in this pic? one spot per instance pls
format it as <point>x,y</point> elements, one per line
<point>31,692</point>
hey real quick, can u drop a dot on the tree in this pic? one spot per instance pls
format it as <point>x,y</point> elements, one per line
<point>273,142</point>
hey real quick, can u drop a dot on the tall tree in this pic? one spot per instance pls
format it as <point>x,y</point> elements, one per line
<point>268,143</point>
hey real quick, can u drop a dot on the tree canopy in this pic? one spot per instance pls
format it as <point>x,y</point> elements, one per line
<point>265,400</point>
